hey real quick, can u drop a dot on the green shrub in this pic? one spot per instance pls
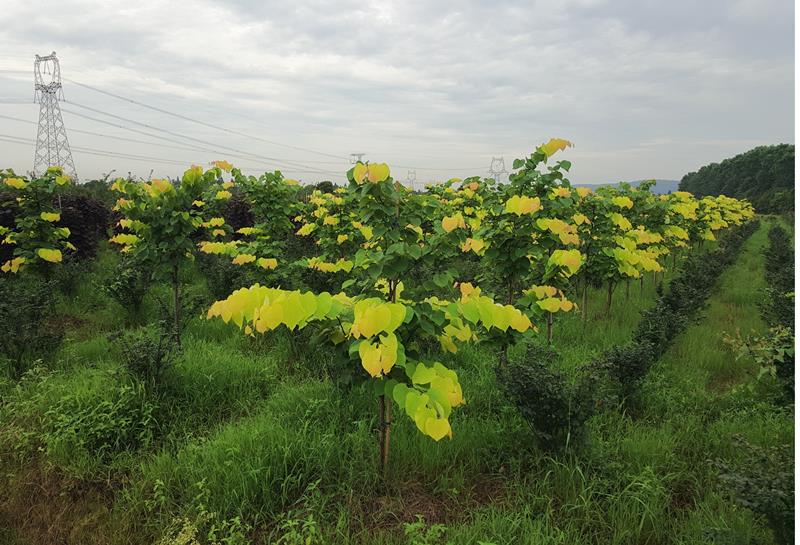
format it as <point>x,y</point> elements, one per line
<point>28,325</point>
<point>779,273</point>
<point>69,276</point>
<point>146,353</point>
<point>222,276</point>
<point>128,286</point>
<point>764,483</point>
<point>544,397</point>
<point>627,365</point>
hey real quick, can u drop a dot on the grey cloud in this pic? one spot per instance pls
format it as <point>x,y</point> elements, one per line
<point>645,88</point>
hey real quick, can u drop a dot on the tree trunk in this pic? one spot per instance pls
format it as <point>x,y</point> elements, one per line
<point>627,289</point>
<point>176,301</point>
<point>641,285</point>
<point>549,328</point>
<point>609,295</point>
<point>585,302</point>
<point>384,433</point>
<point>385,410</point>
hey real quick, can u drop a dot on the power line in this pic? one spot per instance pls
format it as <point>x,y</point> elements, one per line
<point>121,155</point>
<point>286,162</point>
<point>111,136</point>
<point>200,122</point>
<point>250,136</point>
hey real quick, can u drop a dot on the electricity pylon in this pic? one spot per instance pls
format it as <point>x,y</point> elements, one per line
<point>497,169</point>
<point>356,158</point>
<point>52,146</point>
<point>411,180</point>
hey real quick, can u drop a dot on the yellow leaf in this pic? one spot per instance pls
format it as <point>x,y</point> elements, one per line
<point>449,223</point>
<point>438,428</point>
<point>571,259</point>
<point>267,262</point>
<point>53,256</point>
<point>554,145</point>
<point>359,172</point>
<point>223,165</point>
<point>16,183</point>
<point>50,216</point>
<point>241,259</point>
<point>622,202</point>
<point>13,265</point>
<point>476,245</point>
<point>551,304</point>
<point>126,239</point>
<point>377,172</point>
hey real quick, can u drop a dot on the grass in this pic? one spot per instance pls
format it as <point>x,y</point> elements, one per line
<point>251,441</point>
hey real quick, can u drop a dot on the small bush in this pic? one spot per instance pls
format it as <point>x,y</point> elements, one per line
<point>544,397</point>
<point>628,365</point>
<point>28,325</point>
<point>146,354</point>
<point>128,286</point>
<point>779,272</point>
<point>764,483</point>
<point>222,276</point>
<point>70,274</point>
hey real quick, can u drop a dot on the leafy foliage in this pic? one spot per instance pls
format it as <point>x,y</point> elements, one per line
<point>97,425</point>
<point>763,481</point>
<point>28,325</point>
<point>779,272</point>
<point>147,353</point>
<point>128,286</point>
<point>552,406</point>
<point>763,175</point>
<point>37,238</point>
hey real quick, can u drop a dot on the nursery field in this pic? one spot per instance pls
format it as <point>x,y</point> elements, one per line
<point>225,359</point>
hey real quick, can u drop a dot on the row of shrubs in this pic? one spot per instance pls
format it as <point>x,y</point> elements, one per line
<point>557,408</point>
<point>779,274</point>
<point>763,479</point>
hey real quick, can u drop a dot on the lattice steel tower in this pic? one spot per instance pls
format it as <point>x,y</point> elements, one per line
<point>52,146</point>
<point>497,169</point>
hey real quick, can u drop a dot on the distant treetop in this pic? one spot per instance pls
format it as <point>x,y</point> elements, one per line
<point>763,175</point>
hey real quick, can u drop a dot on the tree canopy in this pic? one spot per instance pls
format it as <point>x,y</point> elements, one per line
<point>763,175</point>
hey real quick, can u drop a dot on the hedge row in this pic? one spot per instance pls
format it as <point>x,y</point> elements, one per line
<point>557,408</point>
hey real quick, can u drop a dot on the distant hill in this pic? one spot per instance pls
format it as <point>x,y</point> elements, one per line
<point>764,175</point>
<point>661,187</point>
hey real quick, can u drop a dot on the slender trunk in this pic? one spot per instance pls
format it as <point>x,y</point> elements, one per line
<point>627,289</point>
<point>384,437</point>
<point>385,411</point>
<point>585,301</point>
<point>609,295</point>
<point>176,301</point>
<point>641,285</point>
<point>549,328</point>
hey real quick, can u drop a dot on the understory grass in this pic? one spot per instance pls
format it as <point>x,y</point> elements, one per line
<point>249,440</point>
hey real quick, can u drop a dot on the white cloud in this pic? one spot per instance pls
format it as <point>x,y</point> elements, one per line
<point>645,88</point>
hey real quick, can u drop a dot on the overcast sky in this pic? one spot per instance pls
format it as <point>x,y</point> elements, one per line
<point>644,88</point>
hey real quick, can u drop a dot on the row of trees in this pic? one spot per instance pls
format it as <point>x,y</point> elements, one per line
<point>410,276</point>
<point>763,175</point>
